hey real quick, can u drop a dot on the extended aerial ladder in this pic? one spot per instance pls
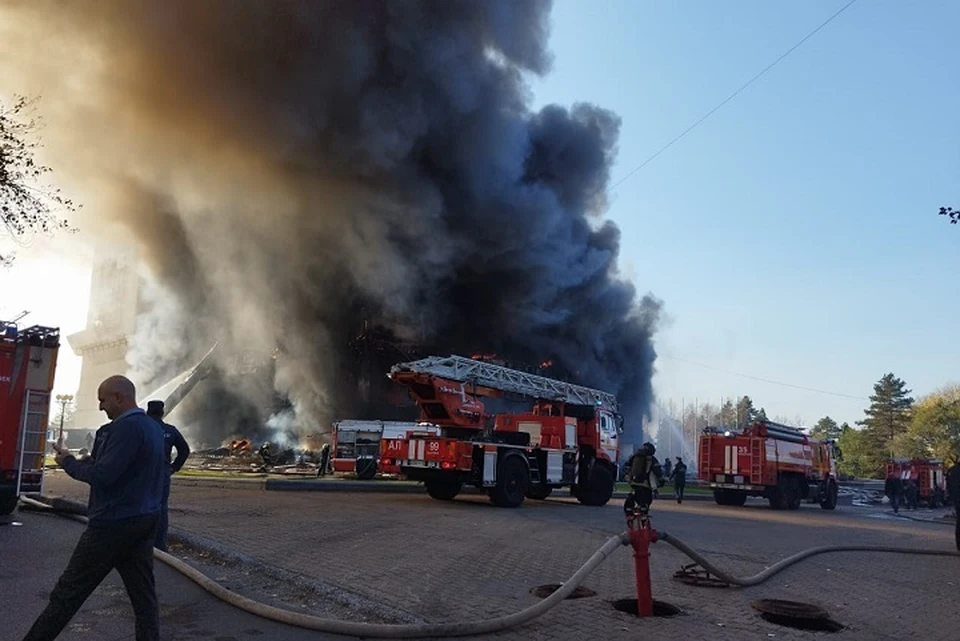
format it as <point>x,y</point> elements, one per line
<point>568,438</point>
<point>496,377</point>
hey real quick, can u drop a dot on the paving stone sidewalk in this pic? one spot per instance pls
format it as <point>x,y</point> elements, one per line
<point>468,560</point>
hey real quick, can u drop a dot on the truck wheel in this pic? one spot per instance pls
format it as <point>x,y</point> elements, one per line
<point>7,504</point>
<point>720,496</point>
<point>793,495</point>
<point>829,501</point>
<point>539,492</point>
<point>513,480</point>
<point>443,489</point>
<point>738,499</point>
<point>599,487</point>
<point>777,495</point>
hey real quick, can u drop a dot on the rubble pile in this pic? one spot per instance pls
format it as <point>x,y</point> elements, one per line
<point>241,455</point>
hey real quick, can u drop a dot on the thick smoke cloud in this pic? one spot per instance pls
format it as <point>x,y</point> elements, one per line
<point>292,168</point>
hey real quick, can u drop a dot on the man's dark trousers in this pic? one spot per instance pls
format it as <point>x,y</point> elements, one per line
<point>678,488</point>
<point>956,528</point>
<point>126,545</point>
<point>161,540</point>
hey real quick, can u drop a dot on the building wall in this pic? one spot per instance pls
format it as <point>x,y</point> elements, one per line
<point>111,322</point>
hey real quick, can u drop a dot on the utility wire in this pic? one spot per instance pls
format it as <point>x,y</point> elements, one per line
<point>732,96</point>
<point>763,380</point>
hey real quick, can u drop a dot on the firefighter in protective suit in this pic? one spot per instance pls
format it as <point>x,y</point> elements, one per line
<point>645,475</point>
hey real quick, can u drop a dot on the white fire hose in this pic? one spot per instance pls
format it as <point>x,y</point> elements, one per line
<point>486,626</point>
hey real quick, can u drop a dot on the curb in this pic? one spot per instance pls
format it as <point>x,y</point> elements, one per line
<point>384,487</point>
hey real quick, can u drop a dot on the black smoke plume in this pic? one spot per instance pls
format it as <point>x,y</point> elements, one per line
<point>300,173</point>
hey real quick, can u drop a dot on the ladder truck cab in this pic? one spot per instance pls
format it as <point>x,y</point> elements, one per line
<point>776,462</point>
<point>356,445</point>
<point>568,438</point>
<point>927,473</point>
<point>28,360</point>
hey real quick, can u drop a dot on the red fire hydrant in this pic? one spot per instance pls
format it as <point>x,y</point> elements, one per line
<point>641,536</point>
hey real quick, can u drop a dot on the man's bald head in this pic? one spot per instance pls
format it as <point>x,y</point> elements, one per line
<point>117,394</point>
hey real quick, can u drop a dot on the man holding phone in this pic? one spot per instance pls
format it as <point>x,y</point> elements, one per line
<point>125,473</point>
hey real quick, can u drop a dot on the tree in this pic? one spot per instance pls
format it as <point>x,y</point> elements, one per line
<point>728,414</point>
<point>27,206</point>
<point>826,428</point>
<point>745,412</point>
<point>934,427</point>
<point>952,213</point>
<point>887,416</point>
<point>857,458</point>
<point>761,415</point>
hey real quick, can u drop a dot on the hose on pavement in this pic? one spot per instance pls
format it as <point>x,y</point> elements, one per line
<point>486,626</point>
<point>381,630</point>
<point>779,566</point>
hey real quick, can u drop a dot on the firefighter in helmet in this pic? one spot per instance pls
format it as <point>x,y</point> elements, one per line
<point>645,476</point>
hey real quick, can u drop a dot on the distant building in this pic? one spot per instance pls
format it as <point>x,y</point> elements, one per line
<point>111,322</point>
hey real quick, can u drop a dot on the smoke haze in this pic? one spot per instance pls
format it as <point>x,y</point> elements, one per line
<point>290,169</point>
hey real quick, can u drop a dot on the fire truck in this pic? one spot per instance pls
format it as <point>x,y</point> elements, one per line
<point>929,474</point>
<point>776,462</point>
<point>356,445</point>
<point>28,360</point>
<point>568,438</point>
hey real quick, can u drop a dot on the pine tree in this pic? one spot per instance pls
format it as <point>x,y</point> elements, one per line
<point>826,428</point>
<point>746,414</point>
<point>888,415</point>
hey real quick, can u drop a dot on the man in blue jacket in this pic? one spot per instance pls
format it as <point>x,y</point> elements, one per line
<point>172,438</point>
<point>125,473</point>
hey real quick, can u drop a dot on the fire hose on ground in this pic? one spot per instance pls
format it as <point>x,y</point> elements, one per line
<point>638,538</point>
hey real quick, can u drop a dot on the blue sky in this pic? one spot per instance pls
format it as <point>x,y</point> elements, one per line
<point>794,235</point>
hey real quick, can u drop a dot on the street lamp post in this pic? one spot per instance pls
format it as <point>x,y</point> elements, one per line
<point>64,400</point>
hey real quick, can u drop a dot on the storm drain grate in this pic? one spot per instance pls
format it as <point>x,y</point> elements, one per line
<point>797,615</point>
<point>544,591</point>
<point>660,608</point>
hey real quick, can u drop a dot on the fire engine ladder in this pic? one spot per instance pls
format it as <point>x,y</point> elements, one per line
<point>33,436</point>
<point>756,460</point>
<point>704,461</point>
<point>467,370</point>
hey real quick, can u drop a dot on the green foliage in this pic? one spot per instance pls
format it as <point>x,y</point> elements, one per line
<point>887,417</point>
<point>858,460</point>
<point>27,206</point>
<point>935,426</point>
<point>826,428</point>
<point>745,412</point>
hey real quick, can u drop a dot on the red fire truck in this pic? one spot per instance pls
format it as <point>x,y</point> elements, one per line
<point>777,462</point>
<point>928,473</point>
<point>28,362</point>
<point>568,439</point>
<point>356,445</point>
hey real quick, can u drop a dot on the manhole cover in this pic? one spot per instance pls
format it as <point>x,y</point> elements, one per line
<point>660,608</point>
<point>794,614</point>
<point>544,591</point>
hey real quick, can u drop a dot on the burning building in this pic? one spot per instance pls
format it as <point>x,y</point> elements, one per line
<point>292,171</point>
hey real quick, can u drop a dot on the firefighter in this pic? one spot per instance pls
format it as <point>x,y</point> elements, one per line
<point>911,493</point>
<point>324,460</point>
<point>894,489</point>
<point>679,476</point>
<point>645,475</point>
<point>172,438</point>
<point>953,487</point>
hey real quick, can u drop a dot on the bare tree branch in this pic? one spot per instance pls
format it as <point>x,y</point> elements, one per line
<point>27,204</point>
